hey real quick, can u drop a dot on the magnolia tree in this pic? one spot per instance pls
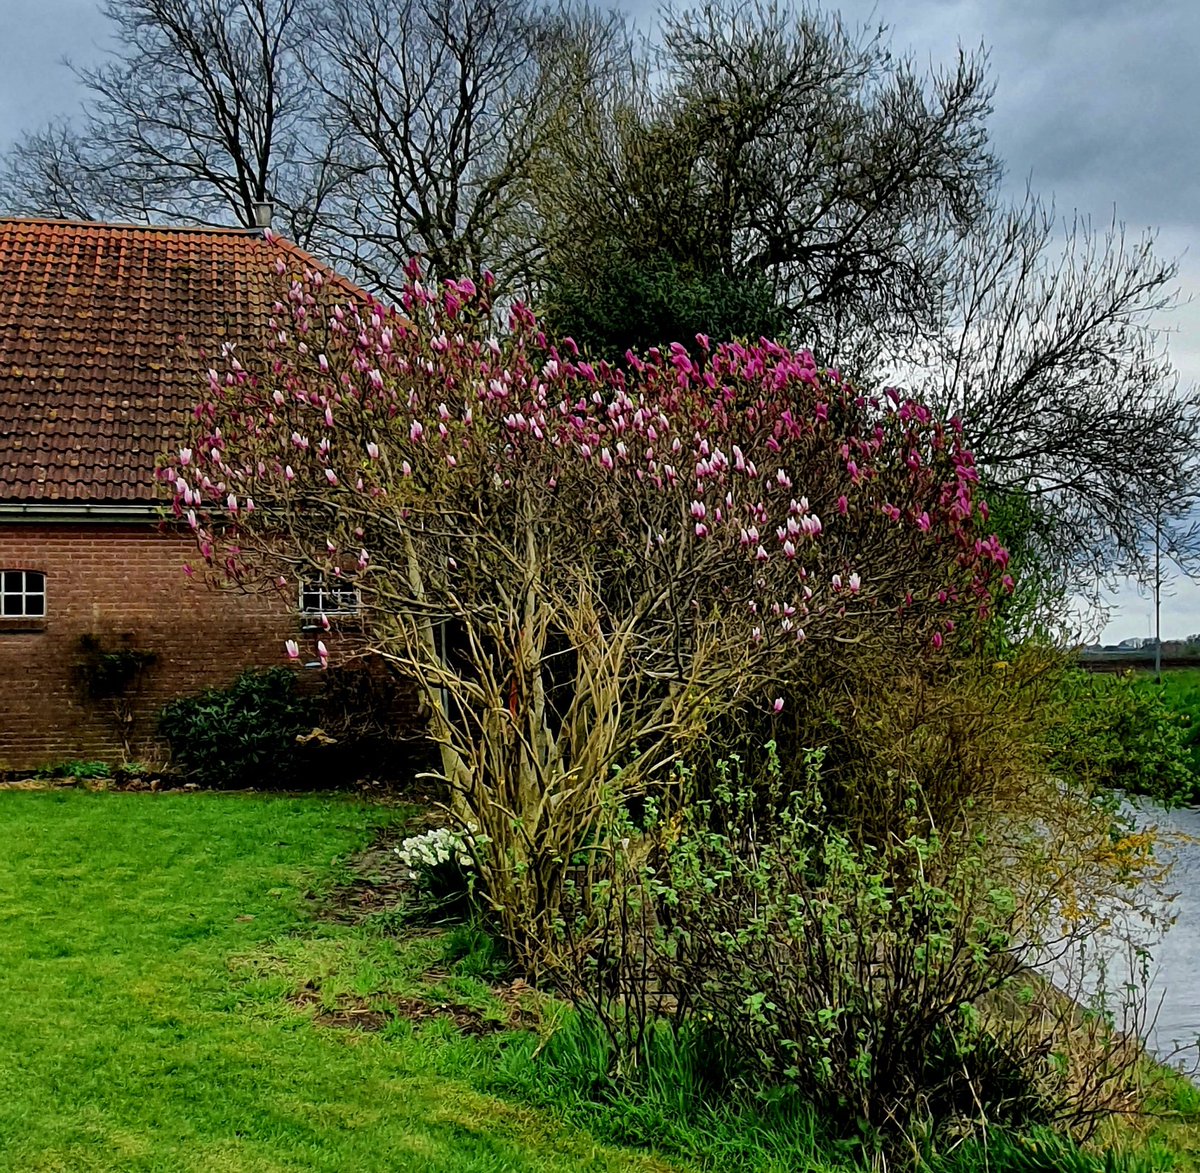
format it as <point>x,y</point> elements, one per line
<point>581,566</point>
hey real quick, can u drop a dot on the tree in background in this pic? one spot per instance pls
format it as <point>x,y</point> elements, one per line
<point>1052,348</point>
<point>200,114</point>
<point>756,144</point>
<point>436,107</point>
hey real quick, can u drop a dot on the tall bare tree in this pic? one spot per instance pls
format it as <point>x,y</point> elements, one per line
<point>436,107</point>
<point>757,142</point>
<point>1052,348</point>
<point>200,114</point>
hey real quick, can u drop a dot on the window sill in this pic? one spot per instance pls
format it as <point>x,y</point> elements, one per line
<point>345,622</point>
<point>21,624</point>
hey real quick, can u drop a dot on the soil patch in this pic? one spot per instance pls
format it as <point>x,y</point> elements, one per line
<point>379,880</point>
<point>354,1013</point>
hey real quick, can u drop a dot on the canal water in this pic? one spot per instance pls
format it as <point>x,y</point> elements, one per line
<point>1175,970</point>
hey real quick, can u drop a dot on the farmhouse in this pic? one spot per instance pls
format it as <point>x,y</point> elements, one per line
<point>104,333</point>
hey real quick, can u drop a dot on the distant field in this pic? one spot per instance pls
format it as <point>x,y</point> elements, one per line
<point>1180,691</point>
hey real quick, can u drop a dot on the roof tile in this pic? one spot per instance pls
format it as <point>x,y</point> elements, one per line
<point>104,331</point>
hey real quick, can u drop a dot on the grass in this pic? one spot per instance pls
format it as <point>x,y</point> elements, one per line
<point>1180,692</point>
<point>171,1001</point>
<point>145,1022</point>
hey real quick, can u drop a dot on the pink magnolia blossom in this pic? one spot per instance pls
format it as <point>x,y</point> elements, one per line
<point>478,427</point>
<point>293,649</point>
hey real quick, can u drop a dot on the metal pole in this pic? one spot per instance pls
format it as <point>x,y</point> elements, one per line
<point>1157,596</point>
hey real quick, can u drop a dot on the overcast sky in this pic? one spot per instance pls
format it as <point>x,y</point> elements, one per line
<point>1096,105</point>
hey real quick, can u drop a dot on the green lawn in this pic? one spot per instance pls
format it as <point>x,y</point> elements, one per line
<point>169,968</point>
<point>149,946</point>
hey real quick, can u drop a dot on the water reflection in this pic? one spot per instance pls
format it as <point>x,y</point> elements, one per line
<point>1175,974</point>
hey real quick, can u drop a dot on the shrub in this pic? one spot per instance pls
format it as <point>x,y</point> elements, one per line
<point>1119,732</point>
<point>243,735</point>
<point>624,305</point>
<point>582,566</point>
<point>1180,693</point>
<point>877,953</point>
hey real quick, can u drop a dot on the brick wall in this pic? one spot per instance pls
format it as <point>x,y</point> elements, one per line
<point>112,580</point>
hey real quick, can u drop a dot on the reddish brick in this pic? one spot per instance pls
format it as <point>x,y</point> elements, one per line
<point>133,584</point>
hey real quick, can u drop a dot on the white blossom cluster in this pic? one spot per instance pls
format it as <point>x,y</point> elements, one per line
<point>422,854</point>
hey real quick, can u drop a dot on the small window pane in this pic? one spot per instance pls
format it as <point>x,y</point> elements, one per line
<point>320,598</point>
<point>22,592</point>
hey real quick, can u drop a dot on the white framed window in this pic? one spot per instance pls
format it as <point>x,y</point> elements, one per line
<point>325,598</point>
<point>22,594</point>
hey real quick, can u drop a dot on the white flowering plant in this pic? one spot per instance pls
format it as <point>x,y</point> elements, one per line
<point>442,862</point>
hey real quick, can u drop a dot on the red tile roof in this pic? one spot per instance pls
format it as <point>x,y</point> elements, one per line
<point>103,329</point>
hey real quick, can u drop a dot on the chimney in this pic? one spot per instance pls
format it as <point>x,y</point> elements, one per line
<point>262,213</point>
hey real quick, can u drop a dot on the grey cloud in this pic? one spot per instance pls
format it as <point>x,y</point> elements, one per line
<point>34,84</point>
<point>1093,97</point>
